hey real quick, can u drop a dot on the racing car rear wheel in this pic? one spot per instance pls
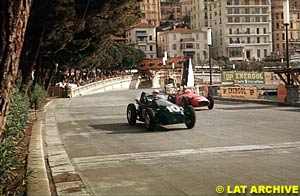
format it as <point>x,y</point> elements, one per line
<point>150,120</point>
<point>131,114</point>
<point>190,116</point>
<point>185,102</point>
<point>211,102</point>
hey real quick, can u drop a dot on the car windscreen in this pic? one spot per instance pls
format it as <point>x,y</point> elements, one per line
<point>162,102</point>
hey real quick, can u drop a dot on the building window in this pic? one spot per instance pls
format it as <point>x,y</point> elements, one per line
<point>265,30</point>
<point>247,11</point>
<point>283,36</point>
<point>264,19</point>
<point>258,40</point>
<point>230,31</point>
<point>248,31</point>
<point>235,52</point>
<point>257,19</point>
<point>248,40</point>
<point>247,19</point>
<point>258,53</point>
<point>150,37</point>
<point>197,36</point>
<point>264,10</point>
<point>236,11</point>
<point>189,45</point>
<point>174,46</point>
<point>150,48</point>
<point>257,30</point>
<point>265,53</point>
<point>277,36</point>
<point>230,19</point>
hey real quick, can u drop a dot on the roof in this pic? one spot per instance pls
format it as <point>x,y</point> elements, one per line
<point>142,25</point>
<point>182,30</point>
<point>116,38</point>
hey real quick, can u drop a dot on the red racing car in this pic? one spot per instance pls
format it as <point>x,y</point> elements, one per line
<point>191,98</point>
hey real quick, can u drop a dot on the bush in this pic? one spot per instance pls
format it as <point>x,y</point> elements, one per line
<point>11,157</point>
<point>37,96</point>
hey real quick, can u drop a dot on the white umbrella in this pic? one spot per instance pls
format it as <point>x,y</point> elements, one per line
<point>190,80</point>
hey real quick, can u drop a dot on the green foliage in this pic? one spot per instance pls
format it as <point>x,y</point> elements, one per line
<point>37,96</point>
<point>119,56</point>
<point>10,148</point>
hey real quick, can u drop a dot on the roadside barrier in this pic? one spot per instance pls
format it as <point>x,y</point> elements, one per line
<point>112,84</point>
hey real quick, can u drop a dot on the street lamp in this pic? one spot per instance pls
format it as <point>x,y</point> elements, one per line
<point>286,19</point>
<point>209,43</point>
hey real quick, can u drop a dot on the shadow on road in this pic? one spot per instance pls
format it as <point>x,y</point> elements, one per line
<point>122,128</point>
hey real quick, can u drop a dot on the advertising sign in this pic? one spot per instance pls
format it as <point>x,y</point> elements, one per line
<point>243,92</point>
<point>243,77</point>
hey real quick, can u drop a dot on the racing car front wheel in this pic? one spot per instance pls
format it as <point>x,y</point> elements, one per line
<point>131,114</point>
<point>190,117</point>
<point>211,102</point>
<point>150,120</point>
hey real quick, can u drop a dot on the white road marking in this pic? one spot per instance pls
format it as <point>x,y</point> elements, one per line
<point>117,159</point>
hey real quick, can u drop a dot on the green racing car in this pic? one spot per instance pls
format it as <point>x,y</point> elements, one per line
<point>159,111</point>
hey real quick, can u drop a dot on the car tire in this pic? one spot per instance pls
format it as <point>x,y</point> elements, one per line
<point>185,102</point>
<point>189,116</point>
<point>150,120</point>
<point>211,102</point>
<point>131,114</point>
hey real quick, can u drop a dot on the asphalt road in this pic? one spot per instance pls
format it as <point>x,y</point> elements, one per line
<point>233,144</point>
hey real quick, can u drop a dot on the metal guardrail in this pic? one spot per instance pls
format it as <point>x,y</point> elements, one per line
<point>99,84</point>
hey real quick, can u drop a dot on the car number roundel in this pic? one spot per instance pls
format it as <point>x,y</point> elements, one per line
<point>173,108</point>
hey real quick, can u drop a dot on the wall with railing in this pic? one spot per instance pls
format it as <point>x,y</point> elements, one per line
<point>112,84</point>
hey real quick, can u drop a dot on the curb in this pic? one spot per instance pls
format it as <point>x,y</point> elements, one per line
<point>45,145</point>
<point>66,180</point>
<point>258,101</point>
<point>38,181</point>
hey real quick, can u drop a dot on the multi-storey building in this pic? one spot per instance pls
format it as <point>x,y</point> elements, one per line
<point>151,11</point>
<point>170,11</point>
<point>186,9</point>
<point>241,29</point>
<point>183,42</point>
<point>279,31</point>
<point>143,36</point>
<point>199,14</point>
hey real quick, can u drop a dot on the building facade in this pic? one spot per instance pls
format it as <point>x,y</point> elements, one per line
<point>183,42</point>
<point>279,32</point>
<point>241,29</point>
<point>151,11</point>
<point>199,14</point>
<point>143,36</point>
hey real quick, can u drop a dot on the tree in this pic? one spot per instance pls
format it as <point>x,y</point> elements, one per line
<point>14,16</point>
<point>72,34</point>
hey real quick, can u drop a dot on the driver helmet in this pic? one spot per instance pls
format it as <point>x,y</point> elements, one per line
<point>156,91</point>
